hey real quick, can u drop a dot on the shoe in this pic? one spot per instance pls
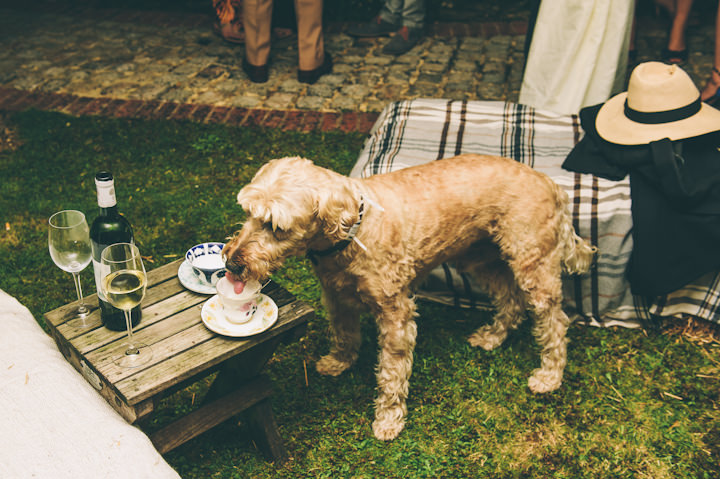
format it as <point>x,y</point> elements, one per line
<point>376,27</point>
<point>256,74</point>
<point>403,41</point>
<point>674,57</point>
<point>311,76</point>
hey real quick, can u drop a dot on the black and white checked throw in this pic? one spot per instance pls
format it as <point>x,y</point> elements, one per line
<point>409,133</point>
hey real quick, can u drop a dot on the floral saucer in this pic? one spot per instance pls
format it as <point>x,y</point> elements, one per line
<point>192,282</point>
<point>263,319</point>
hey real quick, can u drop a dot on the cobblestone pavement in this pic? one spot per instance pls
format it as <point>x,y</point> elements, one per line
<point>172,65</point>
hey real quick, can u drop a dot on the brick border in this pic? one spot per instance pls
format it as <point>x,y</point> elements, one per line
<point>12,99</point>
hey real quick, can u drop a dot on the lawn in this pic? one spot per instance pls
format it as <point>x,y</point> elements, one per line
<point>634,403</point>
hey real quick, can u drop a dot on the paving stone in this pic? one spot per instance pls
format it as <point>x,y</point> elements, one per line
<point>355,91</point>
<point>378,60</point>
<point>465,66</point>
<point>343,102</point>
<point>311,102</point>
<point>244,101</point>
<point>280,101</point>
<point>291,86</point>
<point>322,90</point>
<point>333,79</point>
<point>344,68</point>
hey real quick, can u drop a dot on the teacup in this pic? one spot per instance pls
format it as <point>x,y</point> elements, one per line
<point>238,308</point>
<point>207,262</point>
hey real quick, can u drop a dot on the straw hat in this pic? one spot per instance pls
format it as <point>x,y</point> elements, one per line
<point>661,102</point>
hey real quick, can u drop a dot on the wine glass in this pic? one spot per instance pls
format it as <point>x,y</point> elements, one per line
<point>123,282</point>
<point>70,250</point>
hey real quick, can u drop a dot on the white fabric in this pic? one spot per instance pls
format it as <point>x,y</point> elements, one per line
<point>578,54</point>
<point>53,423</point>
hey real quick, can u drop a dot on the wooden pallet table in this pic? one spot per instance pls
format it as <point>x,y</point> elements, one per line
<point>184,351</point>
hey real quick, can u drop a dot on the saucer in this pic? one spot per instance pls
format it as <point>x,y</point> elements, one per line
<point>263,319</point>
<point>191,282</point>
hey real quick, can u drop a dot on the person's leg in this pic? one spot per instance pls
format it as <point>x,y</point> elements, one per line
<point>257,19</point>
<point>676,51</point>
<point>413,23</point>
<point>712,88</point>
<point>392,12</point>
<point>413,14</point>
<point>311,45</point>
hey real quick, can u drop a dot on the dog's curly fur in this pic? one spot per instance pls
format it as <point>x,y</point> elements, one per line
<point>493,217</point>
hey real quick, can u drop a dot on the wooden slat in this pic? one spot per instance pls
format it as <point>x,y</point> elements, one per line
<point>211,415</point>
<point>64,313</point>
<point>161,328</point>
<point>162,284</point>
<point>204,355</point>
<point>152,315</point>
<point>178,334</point>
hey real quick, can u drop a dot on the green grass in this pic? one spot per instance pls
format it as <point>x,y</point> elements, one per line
<point>634,404</point>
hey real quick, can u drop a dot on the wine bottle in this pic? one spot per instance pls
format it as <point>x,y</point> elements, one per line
<point>108,228</point>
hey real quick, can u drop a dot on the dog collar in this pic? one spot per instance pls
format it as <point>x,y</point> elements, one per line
<point>341,245</point>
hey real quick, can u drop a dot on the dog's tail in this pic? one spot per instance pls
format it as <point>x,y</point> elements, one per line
<point>578,255</point>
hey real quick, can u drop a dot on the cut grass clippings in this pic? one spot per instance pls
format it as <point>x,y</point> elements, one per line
<point>634,403</point>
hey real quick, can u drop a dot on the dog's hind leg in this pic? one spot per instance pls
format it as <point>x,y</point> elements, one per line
<point>544,292</point>
<point>345,328</point>
<point>509,301</point>
<point>397,333</point>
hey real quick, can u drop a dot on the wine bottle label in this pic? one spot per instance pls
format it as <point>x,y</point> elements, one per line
<point>106,193</point>
<point>101,270</point>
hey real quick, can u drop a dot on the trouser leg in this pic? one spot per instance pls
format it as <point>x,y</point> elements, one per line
<point>257,19</point>
<point>311,45</point>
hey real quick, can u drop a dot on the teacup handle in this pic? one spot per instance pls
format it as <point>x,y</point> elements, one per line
<point>217,275</point>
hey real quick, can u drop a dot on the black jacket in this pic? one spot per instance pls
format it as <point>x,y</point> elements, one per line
<point>675,190</point>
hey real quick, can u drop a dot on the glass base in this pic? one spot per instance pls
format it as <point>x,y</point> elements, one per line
<point>83,312</point>
<point>135,356</point>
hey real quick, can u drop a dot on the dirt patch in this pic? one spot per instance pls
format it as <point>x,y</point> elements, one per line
<point>9,139</point>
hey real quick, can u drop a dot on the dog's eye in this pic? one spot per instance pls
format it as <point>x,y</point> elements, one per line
<point>277,231</point>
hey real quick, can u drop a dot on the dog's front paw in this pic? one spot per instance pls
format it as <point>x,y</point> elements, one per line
<point>487,338</point>
<point>387,429</point>
<point>330,366</point>
<point>543,381</point>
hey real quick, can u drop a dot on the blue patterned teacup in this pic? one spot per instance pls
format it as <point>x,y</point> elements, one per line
<point>206,262</point>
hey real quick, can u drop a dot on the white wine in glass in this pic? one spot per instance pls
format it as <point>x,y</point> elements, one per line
<point>70,249</point>
<point>123,283</point>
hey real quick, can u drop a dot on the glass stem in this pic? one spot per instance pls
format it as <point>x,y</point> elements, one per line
<point>82,309</point>
<point>131,350</point>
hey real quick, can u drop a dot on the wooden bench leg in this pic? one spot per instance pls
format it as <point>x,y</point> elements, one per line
<point>264,429</point>
<point>212,414</point>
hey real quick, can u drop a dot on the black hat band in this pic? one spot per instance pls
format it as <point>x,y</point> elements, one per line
<point>666,116</point>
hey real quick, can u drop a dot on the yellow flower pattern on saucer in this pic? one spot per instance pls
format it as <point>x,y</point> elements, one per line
<point>263,319</point>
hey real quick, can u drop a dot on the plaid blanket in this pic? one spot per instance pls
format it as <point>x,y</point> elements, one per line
<point>413,132</point>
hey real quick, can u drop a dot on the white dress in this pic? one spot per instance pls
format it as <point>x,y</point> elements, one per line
<point>578,54</point>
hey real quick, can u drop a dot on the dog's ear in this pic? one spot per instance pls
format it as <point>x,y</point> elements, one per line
<point>261,199</point>
<point>338,211</point>
<point>258,203</point>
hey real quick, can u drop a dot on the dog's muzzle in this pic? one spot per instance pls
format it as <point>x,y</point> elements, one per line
<point>235,269</point>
